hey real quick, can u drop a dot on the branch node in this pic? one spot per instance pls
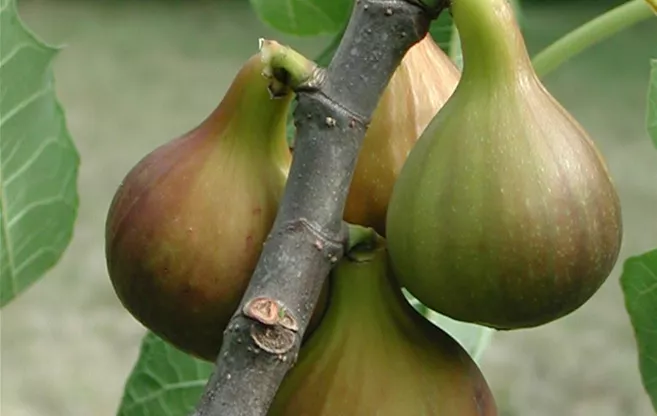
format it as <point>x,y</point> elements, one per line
<point>263,309</point>
<point>332,247</point>
<point>270,312</point>
<point>273,339</point>
<point>288,321</point>
<point>314,82</point>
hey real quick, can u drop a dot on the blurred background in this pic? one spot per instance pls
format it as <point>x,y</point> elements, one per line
<point>136,74</point>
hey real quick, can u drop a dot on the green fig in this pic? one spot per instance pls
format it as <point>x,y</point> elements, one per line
<point>186,226</point>
<point>504,213</point>
<point>424,80</point>
<point>373,354</point>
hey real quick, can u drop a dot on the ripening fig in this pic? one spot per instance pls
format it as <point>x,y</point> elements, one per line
<point>504,213</point>
<point>186,227</point>
<point>424,80</point>
<point>373,354</point>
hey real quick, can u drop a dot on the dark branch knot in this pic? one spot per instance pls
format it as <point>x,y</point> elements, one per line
<point>273,339</point>
<point>330,246</point>
<point>270,312</point>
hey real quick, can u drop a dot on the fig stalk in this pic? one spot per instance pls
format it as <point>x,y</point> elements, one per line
<point>593,32</point>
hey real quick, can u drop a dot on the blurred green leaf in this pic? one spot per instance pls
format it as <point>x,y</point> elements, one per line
<point>455,51</point>
<point>639,283</point>
<point>441,30</point>
<point>164,382</point>
<point>474,338</point>
<point>304,17</point>
<point>325,57</point>
<point>38,161</point>
<point>651,120</point>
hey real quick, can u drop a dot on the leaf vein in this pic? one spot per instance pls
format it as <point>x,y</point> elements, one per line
<point>154,395</point>
<point>35,155</point>
<point>24,104</point>
<point>34,205</point>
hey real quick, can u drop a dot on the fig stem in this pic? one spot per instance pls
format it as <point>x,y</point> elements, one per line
<point>596,30</point>
<point>308,237</point>
<point>286,65</point>
<point>361,237</point>
<point>362,243</point>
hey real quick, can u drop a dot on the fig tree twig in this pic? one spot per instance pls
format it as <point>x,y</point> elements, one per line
<point>333,109</point>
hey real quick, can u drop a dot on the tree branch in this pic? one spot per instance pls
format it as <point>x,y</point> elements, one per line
<point>262,341</point>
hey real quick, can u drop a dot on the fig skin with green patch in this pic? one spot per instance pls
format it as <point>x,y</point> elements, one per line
<point>186,226</point>
<point>420,86</point>
<point>504,214</point>
<point>373,354</point>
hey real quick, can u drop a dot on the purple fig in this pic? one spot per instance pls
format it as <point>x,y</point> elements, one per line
<point>187,225</point>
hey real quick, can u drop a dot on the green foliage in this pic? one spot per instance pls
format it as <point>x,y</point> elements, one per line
<point>639,280</point>
<point>651,118</point>
<point>164,381</point>
<point>38,161</point>
<point>473,338</point>
<point>442,30</point>
<point>639,283</point>
<point>304,17</point>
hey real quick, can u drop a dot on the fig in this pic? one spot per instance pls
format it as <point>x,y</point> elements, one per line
<point>424,80</point>
<point>504,213</point>
<point>373,354</point>
<point>186,226</point>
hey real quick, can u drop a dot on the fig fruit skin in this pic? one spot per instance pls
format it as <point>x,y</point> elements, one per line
<point>424,80</point>
<point>504,214</point>
<point>373,354</point>
<point>186,226</point>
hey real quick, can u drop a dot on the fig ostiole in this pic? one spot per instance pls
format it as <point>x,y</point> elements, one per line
<point>504,213</point>
<point>424,80</point>
<point>373,354</point>
<point>187,224</point>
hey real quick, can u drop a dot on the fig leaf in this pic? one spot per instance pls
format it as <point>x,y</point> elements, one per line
<point>164,381</point>
<point>651,120</point>
<point>473,338</point>
<point>442,30</point>
<point>304,17</point>
<point>639,283</point>
<point>38,161</point>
